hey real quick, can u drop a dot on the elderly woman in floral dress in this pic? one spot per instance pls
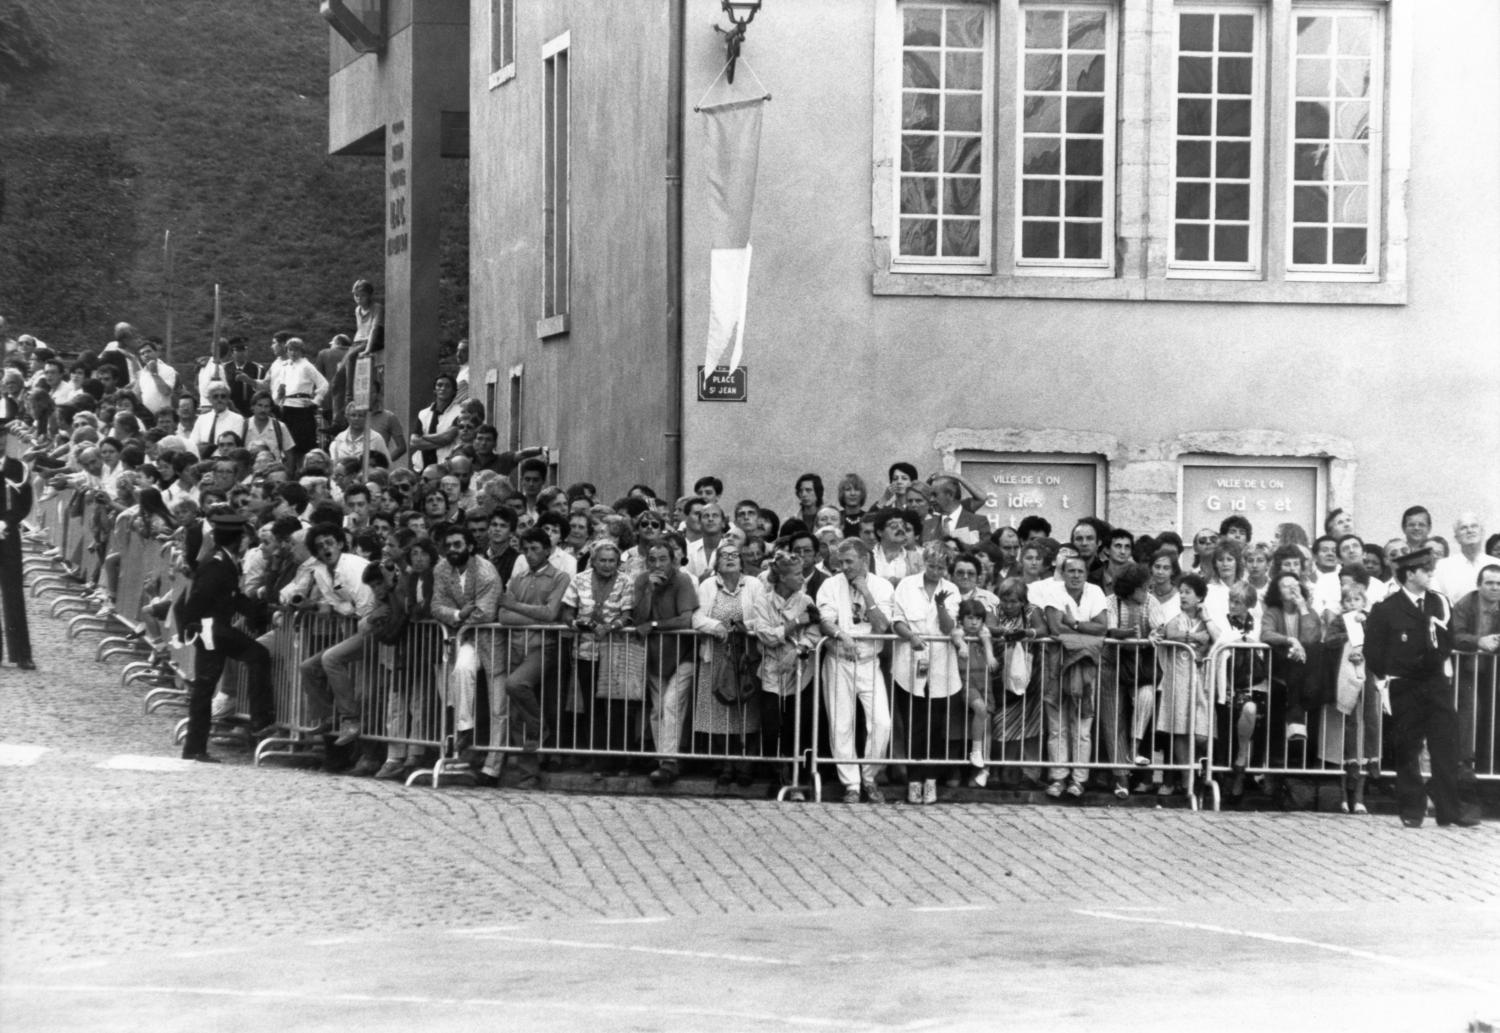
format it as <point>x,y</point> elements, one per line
<point>724,712</point>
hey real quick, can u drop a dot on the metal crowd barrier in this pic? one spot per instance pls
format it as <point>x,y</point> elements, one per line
<point>1476,692</point>
<point>636,700</point>
<point>1035,724</point>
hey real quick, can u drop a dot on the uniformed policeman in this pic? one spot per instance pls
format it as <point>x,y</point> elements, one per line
<point>1408,641</point>
<point>15,505</point>
<point>204,615</point>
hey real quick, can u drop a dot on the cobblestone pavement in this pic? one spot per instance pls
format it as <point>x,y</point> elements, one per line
<point>113,854</point>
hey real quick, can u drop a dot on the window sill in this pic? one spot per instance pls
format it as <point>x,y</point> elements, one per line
<point>1288,292</point>
<point>552,326</point>
<point>503,75</point>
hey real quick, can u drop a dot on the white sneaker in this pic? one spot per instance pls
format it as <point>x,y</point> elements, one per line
<point>982,777</point>
<point>929,791</point>
<point>1055,790</point>
<point>976,757</point>
<point>914,792</point>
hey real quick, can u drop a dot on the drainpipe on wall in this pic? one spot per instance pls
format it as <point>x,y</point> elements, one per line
<point>675,107</point>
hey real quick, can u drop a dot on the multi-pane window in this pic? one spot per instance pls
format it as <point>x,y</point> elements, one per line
<point>1067,136</point>
<point>1217,160</point>
<point>1335,89</point>
<point>556,161</point>
<point>943,198</point>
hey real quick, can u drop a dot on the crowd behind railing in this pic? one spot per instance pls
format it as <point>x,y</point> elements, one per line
<point>429,608</point>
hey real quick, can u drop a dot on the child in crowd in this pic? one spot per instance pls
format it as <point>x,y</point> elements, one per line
<point>976,662</point>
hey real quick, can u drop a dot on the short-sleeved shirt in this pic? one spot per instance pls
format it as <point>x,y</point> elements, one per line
<point>677,597</point>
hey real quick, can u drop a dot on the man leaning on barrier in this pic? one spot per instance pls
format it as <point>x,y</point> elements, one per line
<point>328,676</point>
<point>854,605</point>
<point>524,680</point>
<point>204,615</point>
<point>465,592</point>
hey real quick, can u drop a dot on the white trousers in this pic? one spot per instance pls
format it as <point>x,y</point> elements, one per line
<point>845,684</point>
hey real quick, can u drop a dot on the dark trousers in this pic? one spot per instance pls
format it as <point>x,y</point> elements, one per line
<point>16,640</point>
<point>1422,710</point>
<point>231,644</point>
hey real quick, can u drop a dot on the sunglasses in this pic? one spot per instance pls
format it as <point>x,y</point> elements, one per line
<point>651,524</point>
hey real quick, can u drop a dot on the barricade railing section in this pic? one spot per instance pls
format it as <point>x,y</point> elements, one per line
<point>1476,691</point>
<point>1048,713</point>
<point>622,700</point>
<point>1138,710</point>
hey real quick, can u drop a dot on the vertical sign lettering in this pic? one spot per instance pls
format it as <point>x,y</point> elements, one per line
<point>396,239</point>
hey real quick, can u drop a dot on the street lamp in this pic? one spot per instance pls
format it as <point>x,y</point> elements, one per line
<point>741,13</point>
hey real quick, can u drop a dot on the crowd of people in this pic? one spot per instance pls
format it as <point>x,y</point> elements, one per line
<point>281,494</point>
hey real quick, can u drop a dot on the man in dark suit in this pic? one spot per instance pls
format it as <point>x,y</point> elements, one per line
<point>949,519</point>
<point>1408,640</point>
<point>204,614</point>
<point>15,506</point>
<point>240,374</point>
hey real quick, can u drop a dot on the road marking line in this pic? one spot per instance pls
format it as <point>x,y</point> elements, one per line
<point>630,921</point>
<point>15,756</point>
<point>935,909</point>
<point>1354,952</point>
<point>320,997</point>
<point>131,762</point>
<point>633,949</point>
<point>484,930</point>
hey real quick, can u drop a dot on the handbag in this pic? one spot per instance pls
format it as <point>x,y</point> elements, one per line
<point>733,671</point>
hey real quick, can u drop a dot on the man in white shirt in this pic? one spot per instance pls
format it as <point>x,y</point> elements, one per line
<point>156,381</point>
<point>350,442</point>
<point>299,389</point>
<point>1079,609</point>
<point>219,418</point>
<point>700,554</point>
<point>853,605</point>
<point>1456,575</point>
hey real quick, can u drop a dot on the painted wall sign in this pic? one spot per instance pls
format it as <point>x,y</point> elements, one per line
<point>723,386</point>
<point>1266,495</point>
<point>396,238</point>
<point>1059,492</point>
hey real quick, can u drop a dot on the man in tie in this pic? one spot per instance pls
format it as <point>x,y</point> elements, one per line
<point>219,418</point>
<point>1408,642</point>
<point>465,592</point>
<point>949,518</point>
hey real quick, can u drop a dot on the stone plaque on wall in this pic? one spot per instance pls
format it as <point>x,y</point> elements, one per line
<point>1266,495</point>
<point>1062,492</point>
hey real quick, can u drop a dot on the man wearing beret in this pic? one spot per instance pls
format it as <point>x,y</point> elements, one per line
<point>204,615</point>
<point>1408,643</point>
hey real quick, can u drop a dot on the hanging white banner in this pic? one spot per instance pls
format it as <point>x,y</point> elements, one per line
<point>732,146</point>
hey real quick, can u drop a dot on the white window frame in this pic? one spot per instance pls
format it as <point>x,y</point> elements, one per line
<point>557,166</point>
<point>1370,272</point>
<point>502,42</point>
<point>1145,34</point>
<point>1061,266</point>
<point>1249,269</point>
<point>944,264</point>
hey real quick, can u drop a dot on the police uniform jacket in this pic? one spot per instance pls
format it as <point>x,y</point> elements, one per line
<point>1403,640</point>
<point>215,592</point>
